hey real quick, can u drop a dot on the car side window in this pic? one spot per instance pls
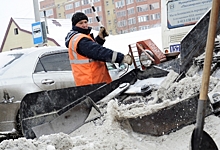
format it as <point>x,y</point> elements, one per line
<point>53,62</point>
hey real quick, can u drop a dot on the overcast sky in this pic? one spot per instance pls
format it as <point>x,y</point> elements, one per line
<point>15,9</point>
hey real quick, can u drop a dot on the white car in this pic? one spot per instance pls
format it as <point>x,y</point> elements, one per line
<point>33,70</point>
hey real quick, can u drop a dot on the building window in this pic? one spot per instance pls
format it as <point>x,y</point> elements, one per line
<point>16,31</point>
<point>142,8</point>
<point>155,16</point>
<point>99,8</point>
<point>108,12</point>
<point>121,13</point>
<point>120,4</point>
<point>154,6</point>
<point>84,2</point>
<point>87,11</point>
<point>133,29</point>
<point>131,21</point>
<point>69,6</point>
<point>122,23</point>
<point>144,27</point>
<point>123,31</point>
<point>129,2</point>
<point>140,0</point>
<point>109,22</point>
<point>90,20</point>
<point>77,4</point>
<point>49,12</point>
<point>106,3</point>
<point>143,18</point>
<point>130,11</point>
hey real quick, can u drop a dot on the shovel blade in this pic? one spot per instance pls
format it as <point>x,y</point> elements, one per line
<point>205,143</point>
<point>67,122</point>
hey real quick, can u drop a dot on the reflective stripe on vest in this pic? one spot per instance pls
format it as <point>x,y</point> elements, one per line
<point>75,60</point>
<point>114,56</point>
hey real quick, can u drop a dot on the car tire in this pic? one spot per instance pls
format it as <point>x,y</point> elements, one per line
<point>18,124</point>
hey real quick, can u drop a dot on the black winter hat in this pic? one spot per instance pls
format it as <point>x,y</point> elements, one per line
<point>78,16</point>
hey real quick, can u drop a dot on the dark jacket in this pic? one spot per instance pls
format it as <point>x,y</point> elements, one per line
<point>91,49</point>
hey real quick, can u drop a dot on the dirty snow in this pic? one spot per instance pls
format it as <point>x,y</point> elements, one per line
<point>112,131</point>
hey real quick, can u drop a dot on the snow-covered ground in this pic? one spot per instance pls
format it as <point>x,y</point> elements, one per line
<point>110,135</point>
<point>112,131</point>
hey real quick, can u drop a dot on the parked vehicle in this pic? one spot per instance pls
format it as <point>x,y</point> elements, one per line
<point>32,70</point>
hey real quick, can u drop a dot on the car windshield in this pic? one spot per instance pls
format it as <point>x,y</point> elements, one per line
<point>7,59</point>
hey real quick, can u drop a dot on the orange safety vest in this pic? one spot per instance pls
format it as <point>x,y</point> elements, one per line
<point>86,71</point>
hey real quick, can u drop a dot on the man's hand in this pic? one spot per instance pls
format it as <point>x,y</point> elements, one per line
<point>103,33</point>
<point>127,59</point>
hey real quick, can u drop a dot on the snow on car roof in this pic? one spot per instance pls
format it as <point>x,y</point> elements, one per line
<point>33,49</point>
<point>10,56</point>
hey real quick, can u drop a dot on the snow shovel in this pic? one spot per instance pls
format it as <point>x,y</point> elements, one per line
<point>122,87</point>
<point>200,140</point>
<point>70,120</point>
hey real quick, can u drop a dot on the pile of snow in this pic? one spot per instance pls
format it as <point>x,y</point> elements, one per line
<point>112,131</point>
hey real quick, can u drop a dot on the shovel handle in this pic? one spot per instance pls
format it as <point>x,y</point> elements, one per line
<point>209,49</point>
<point>97,18</point>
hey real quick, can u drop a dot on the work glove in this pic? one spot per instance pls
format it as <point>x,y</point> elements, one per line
<point>103,33</point>
<point>127,59</point>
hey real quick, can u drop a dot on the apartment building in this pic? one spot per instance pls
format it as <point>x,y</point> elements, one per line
<point>118,16</point>
<point>110,16</point>
<point>134,15</point>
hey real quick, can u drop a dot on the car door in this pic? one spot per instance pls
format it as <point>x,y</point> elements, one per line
<point>53,71</point>
<point>113,71</point>
<point>116,71</point>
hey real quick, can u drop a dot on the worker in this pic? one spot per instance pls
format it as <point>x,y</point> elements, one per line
<point>87,55</point>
